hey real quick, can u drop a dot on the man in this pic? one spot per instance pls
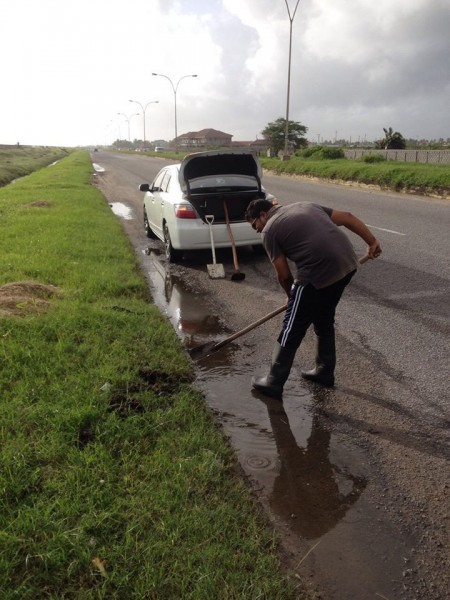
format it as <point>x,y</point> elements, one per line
<point>308,235</point>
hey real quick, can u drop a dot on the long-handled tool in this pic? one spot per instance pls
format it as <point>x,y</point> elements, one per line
<point>204,350</point>
<point>216,270</point>
<point>237,275</point>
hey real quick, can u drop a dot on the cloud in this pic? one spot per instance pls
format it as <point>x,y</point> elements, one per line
<point>356,67</point>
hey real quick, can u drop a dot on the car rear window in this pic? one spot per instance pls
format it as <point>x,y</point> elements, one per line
<point>222,183</point>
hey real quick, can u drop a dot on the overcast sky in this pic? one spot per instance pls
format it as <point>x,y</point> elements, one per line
<point>69,66</point>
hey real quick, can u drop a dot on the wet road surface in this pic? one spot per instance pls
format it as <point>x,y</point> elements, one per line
<point>327,489</point>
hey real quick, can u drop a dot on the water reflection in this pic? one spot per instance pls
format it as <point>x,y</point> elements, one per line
<point>190,317</point>
<point>303,486</point>
<point>309,492</point>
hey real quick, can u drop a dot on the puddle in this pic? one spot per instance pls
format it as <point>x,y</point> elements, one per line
<point>98,168</point>
<point>189,316</point>
<point>122,210</point>
<point>309,477</point>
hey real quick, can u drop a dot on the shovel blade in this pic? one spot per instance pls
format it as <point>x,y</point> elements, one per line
<point>216,271</point>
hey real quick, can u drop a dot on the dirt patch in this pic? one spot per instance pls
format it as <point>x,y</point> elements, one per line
<point>39,203</point>
<point>21,298</point>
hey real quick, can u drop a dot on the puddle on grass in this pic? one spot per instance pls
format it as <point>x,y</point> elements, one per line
<point>308,476</point>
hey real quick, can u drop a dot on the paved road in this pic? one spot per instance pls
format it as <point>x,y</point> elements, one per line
<point>384,428</point>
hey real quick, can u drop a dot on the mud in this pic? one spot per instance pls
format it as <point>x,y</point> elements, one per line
<point>21,298</point>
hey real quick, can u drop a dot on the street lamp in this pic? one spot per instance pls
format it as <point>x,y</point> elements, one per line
<point>174,88</point>
<point>144,109</point>
<point>127,119</point>
<point>291,20</point>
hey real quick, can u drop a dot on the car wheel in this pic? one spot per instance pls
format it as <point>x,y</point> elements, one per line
<point>148,230</point>
<point>172,255</point>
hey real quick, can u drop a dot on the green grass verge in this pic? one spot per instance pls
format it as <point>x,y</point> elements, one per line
<point>115,480</point>
<point>394,175</point>
<point>427,179</point>
<point>18,161</point>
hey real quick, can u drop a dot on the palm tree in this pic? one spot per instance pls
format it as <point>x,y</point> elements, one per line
<point>393,140</point>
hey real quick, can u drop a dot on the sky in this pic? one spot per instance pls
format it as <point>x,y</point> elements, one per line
<point>70,66</point>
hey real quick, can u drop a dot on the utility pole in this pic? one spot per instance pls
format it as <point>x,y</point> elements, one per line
<point>291,20</point>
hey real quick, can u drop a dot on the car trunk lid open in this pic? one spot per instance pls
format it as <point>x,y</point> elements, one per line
<point>209,178</point>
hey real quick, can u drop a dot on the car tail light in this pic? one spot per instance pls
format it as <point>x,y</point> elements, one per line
<point>184,211</point>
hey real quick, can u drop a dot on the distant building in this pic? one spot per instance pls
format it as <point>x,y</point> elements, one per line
<point>258,146</point>
<point>206,138</point>
<point>212,138</point>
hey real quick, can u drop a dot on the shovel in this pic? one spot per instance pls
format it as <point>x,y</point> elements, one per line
<point>204,350</point>
<point>237,275</point>
<point>216,270</point>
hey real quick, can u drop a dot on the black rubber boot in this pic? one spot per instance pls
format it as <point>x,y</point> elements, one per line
<point>323,373</point>
<point>272,385</point>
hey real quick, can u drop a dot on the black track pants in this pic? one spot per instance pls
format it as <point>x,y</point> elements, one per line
<point>307,306</point>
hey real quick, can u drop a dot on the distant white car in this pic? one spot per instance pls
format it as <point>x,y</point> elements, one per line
<point>182,195</point>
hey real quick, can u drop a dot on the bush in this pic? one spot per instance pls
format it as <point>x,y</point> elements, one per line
<point>321,153</point>
<point>327,153</point>
<point>372,158</point>
<point>308,152</point>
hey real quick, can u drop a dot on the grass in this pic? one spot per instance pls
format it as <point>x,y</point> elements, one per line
<point>395,175</point>
<point>116,482</point>
<point>18,161</point>
<point>427,179</point>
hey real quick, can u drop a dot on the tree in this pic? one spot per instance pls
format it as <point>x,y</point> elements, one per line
<point>393,140</point>
<point>274,133</point>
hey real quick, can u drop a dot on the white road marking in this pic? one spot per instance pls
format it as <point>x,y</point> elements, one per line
<point>388,230</point>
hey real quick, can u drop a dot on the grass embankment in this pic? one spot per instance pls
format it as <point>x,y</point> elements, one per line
<point>393,175</point>
<point>115,481</point>
<point>18,161</point>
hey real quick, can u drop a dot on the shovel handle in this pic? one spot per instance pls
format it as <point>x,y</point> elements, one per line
<point>230,233</point>
<point>210,220</point>
<point>260,321</point>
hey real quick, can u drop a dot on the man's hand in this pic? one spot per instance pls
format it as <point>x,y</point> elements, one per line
<point>374,249</point>
<point>284,274</point>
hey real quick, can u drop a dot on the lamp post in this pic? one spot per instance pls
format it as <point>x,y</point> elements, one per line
<point>291,20</point>
<point>127,119</point>
<point>174,88</point>
<point>144,109</point>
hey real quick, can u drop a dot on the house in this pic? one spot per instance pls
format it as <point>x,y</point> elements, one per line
<point>206,138</point>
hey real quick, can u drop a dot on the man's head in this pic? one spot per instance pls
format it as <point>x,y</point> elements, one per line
<point>256,213</point>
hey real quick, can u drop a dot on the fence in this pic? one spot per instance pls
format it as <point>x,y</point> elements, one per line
<point>421,156</point>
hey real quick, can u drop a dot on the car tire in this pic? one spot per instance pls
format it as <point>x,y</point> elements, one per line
<point>172,255</point>
<point>148,230</point>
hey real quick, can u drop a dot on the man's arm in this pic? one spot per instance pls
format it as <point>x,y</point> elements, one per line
<point>284,274</point>
<point>357,226</point>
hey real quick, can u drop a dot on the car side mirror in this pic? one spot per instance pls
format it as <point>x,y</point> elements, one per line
<point>144,187</point>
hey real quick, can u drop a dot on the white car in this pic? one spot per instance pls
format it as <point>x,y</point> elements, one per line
<point>183,195</point>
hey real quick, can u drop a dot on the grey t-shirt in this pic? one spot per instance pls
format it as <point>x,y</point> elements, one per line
<point>305,234</point>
